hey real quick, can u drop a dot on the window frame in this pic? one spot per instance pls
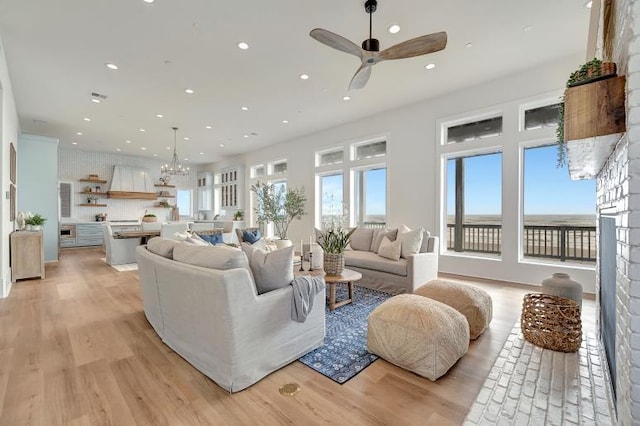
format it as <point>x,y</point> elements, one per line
<point>191,210</point>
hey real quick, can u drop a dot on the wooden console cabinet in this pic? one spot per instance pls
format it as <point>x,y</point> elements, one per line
<point>27,255</point>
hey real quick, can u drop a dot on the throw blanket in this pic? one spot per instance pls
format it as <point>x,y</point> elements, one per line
<point>305,288</point>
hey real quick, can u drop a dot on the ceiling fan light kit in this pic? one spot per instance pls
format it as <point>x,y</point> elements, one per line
<point>370,53</point>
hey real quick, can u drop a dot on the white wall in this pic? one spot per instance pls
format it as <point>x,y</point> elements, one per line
<point>413,165</point>
<point>75,164</point>
<point>10,128</point>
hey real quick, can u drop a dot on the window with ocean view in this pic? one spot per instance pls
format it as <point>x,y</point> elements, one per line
<point>370,190</point>
<point>332,200</point>
<point>474,204</point>
<point>559,213</point>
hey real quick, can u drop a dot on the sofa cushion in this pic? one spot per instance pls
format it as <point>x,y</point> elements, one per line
<point>391,234</point>
<point>214,257</point>
<point>211,238</point>
<point>271,270</point>
<point>251,236</point>
<point>162,246</point>
<point>196,241</point>
<point>390,250</point>
<point>411,242</point>
<point>361,239</point>
<point>427,244</point>
<point>368,260</point>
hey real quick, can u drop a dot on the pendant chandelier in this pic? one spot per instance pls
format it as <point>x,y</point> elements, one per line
<point>174,168</point>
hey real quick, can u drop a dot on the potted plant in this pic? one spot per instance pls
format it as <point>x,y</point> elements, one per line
<point>592,71</point>
<point>239,215</point>
<point>279,206</point>
<point>35,222</point>
<point>149,217</point>
<point>334,241</point>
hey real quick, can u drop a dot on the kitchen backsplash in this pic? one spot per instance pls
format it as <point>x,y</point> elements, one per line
<point>75,164</point>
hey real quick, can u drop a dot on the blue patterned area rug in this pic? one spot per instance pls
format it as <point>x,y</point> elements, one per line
<point>344,353</point>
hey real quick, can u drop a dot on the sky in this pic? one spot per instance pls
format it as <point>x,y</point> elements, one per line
<point>547,188</point>
<point>375,192</point>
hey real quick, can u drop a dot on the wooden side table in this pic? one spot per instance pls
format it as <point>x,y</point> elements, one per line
<point>348,277</point>
<point>27,255</point>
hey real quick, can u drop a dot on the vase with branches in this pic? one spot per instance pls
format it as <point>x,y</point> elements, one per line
<point>278,205</point>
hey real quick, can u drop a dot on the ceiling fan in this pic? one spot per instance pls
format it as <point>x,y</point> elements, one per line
<point>370,53</point>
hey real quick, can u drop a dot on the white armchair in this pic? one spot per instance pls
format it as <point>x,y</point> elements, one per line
<point>119,251</point>
<point>169,229</point>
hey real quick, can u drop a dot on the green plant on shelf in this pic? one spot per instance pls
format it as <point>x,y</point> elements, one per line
<point>36,220</point>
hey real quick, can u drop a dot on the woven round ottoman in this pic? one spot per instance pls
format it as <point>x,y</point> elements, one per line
<point>472,302</point>
<point>418,334</point>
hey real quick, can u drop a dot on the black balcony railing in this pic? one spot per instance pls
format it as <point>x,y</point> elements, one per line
<point>563,242</point>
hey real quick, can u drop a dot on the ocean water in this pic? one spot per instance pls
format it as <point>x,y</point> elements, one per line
<point>547,219</point>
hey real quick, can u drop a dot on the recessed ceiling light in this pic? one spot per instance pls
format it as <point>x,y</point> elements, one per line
<point>155,155</point>
<point>168,147</point>
<point>186,159</point>
<point>128,141</point>
<point>79,133</point>
<point>94,100</point>
<point>202,153</point>
<point>74,143</point>
<point>285,121</point>
<point>86,119</point>
<point>112,66</point>
<point>430,66</point>
<point>143,148</point>
<point>243,46</point>
<point>394,29</point>
<point>588,4</point>
<point>159,115</point>
<point>148,1</point>
<point>528,28</point>
<point>245,136</point>
<point>244,108</point>
<point>186,138</point>
<point>304,76</point>
<point>346,98</point>
<point>142,130</point>
<point>221,145</point>
<point>118,149</point>
<point>207,127</point>
<point>189,91</point>
<point>468,45</point>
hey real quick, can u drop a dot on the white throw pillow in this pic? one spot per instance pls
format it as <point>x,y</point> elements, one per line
<point>390,250</point>
<point>411,242</point>
<point>196,242</point>
<point>403,228</point>
<point>271,270</point>
<point>181,237</point>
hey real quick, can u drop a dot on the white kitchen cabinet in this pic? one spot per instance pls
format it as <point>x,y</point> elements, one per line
<point>205,191</point>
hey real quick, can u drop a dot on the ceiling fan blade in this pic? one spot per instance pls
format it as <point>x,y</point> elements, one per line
<point>361,77</point>
<point>336,41</point>
<point>416,46</point>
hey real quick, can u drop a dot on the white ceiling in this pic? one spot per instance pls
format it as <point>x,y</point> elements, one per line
<point>57,51</point>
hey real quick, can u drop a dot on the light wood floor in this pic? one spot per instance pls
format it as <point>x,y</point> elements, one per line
<point>76,349</point>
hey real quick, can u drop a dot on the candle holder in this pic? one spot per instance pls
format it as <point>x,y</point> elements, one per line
<point>310,261</point>
<point>301,262</point>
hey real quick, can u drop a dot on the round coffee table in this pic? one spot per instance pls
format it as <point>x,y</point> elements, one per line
<point>347,276</point>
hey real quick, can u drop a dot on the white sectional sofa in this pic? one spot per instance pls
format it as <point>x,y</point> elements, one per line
<point>215,319</point>
<point>391,276</point>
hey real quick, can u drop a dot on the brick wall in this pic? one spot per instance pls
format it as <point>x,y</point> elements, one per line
<point>618,191</point>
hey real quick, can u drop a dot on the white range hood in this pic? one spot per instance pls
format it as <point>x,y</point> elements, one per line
<point>132,183</point>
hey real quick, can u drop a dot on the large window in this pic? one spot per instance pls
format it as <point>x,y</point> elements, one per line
<point>474,203</point>
<point>559,213</point>
<point>331,199</point>
<point>370,190</point>
<point>183,201</point>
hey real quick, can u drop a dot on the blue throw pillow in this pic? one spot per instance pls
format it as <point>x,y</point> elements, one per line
<point>213,239</point>
<point>251,236</point>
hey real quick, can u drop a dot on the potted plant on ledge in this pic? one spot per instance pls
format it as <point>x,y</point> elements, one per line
<point>279,206</point>
<point>35,222</point>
